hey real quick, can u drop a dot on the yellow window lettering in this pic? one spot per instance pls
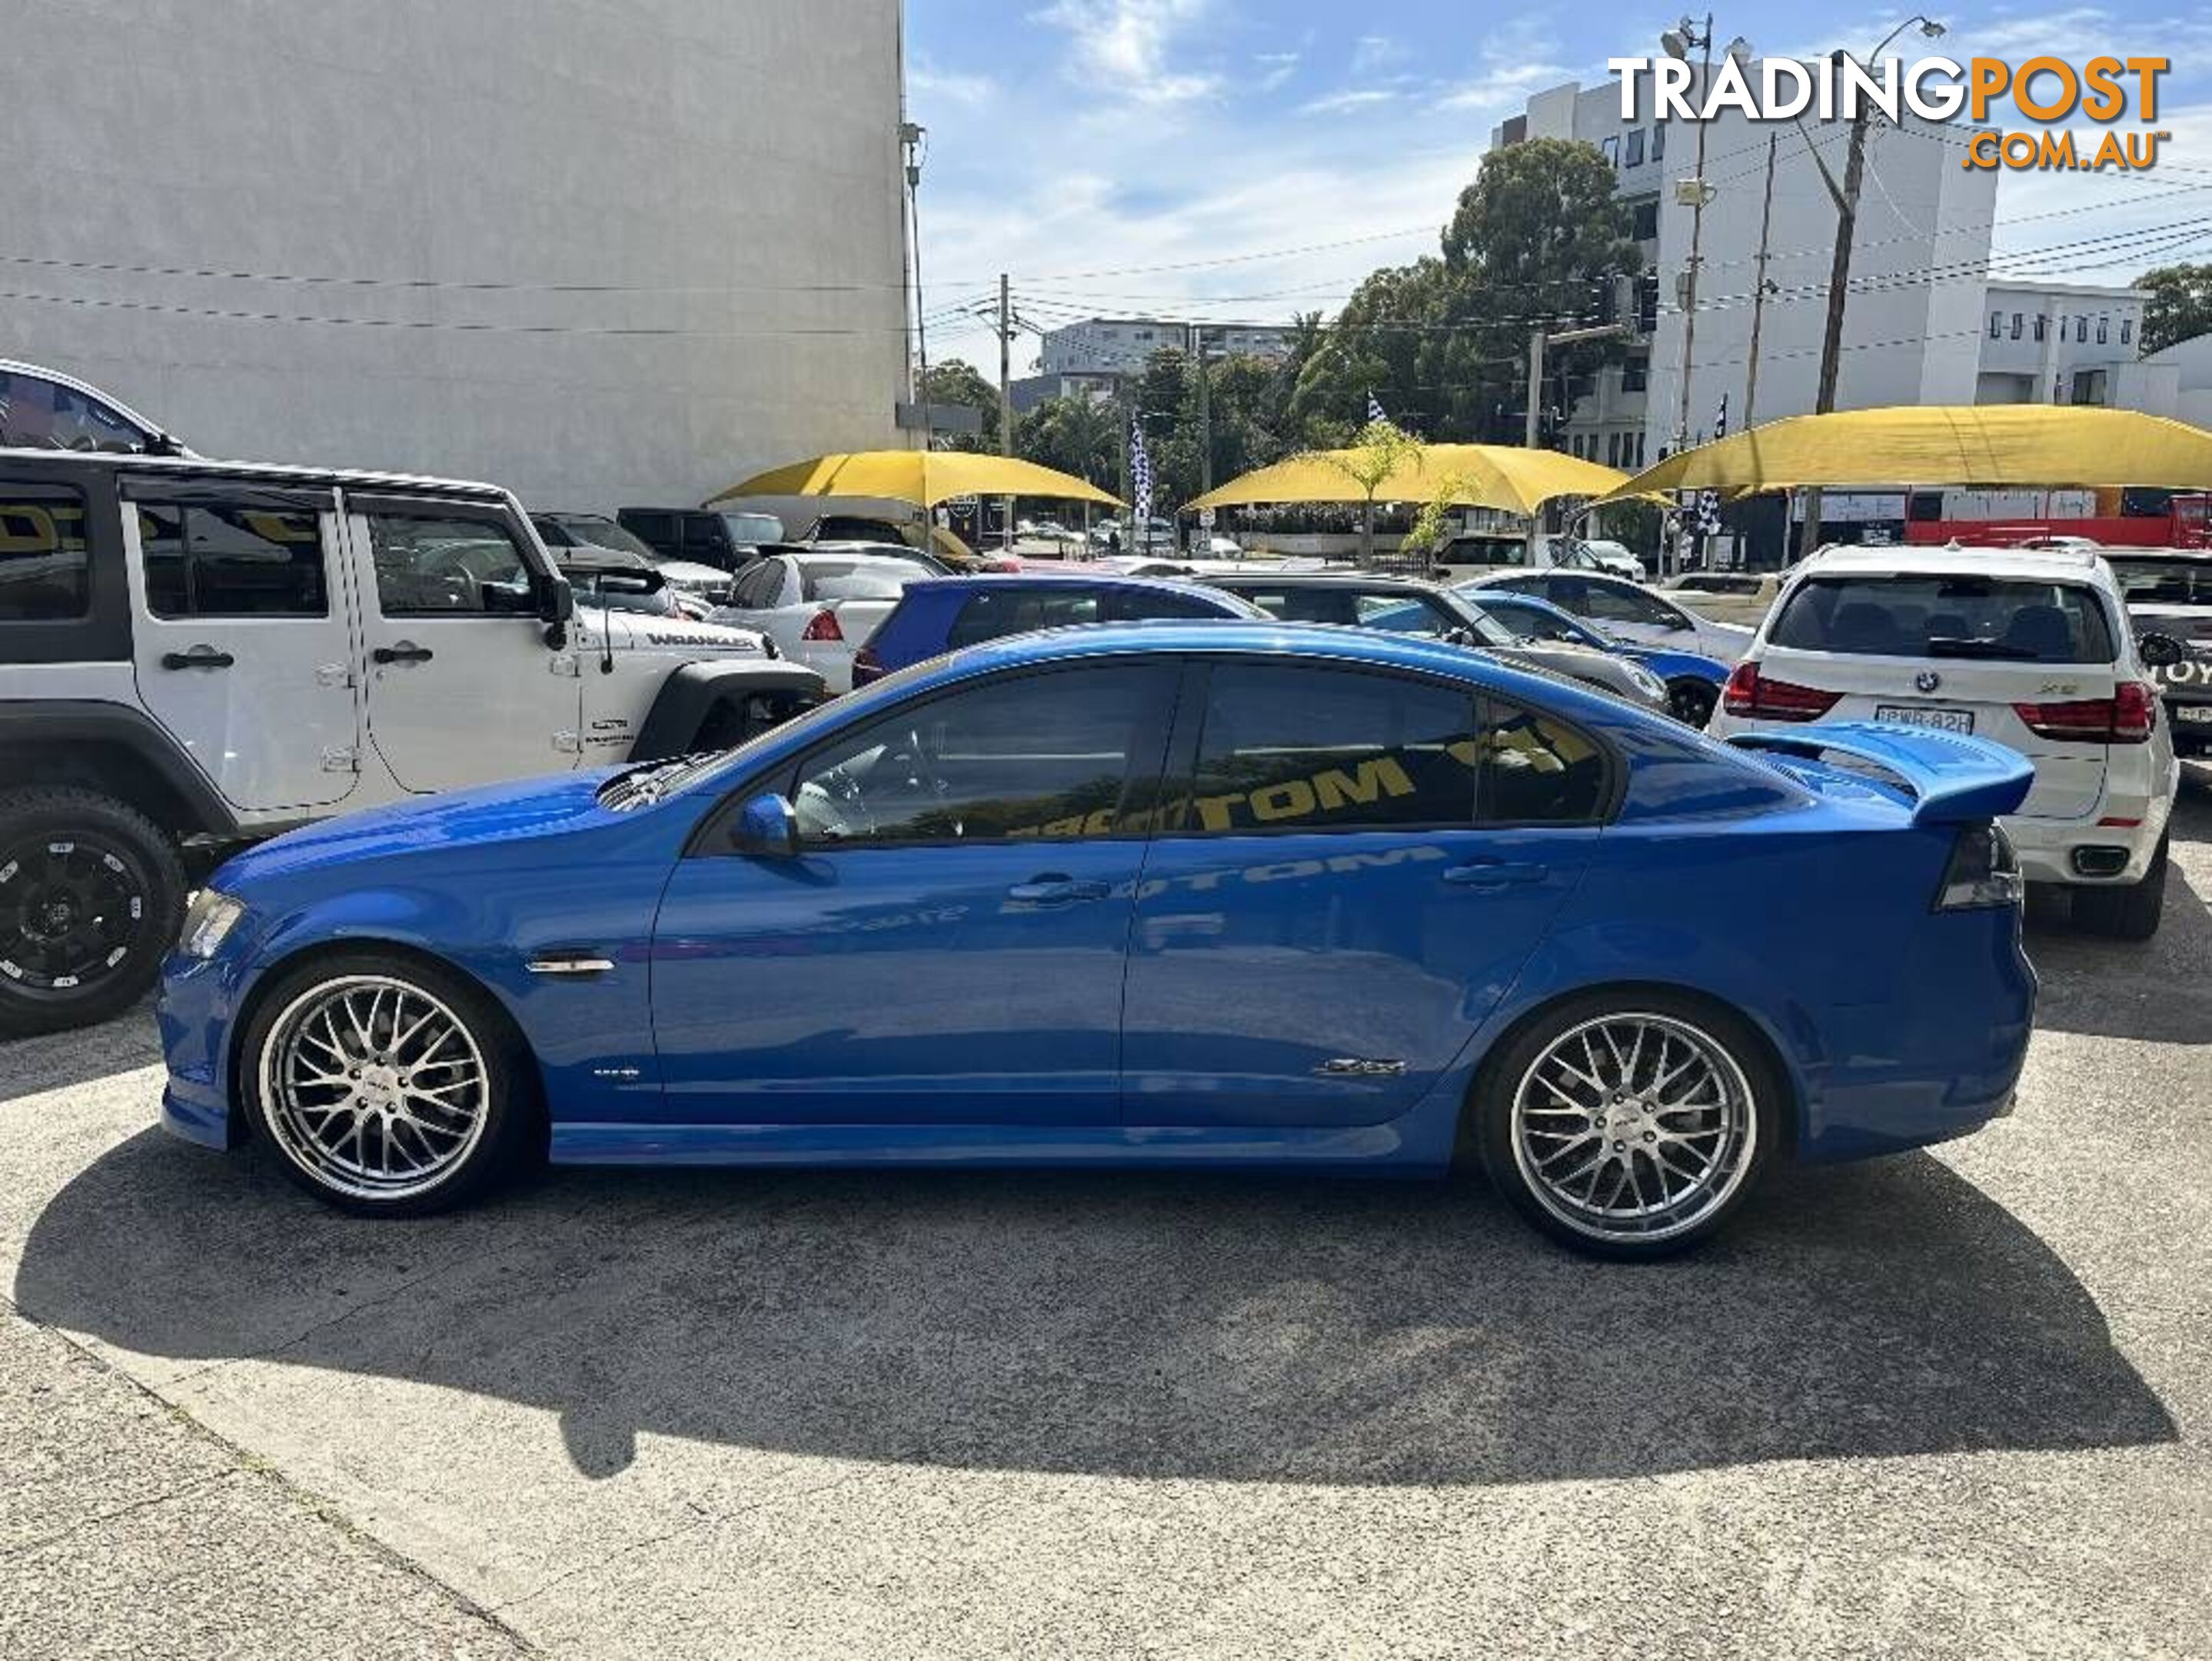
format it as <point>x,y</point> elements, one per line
<point>1335,789</point>
<point>1100,824</point>
<point>1216,812</point>
<point>1290,800</point>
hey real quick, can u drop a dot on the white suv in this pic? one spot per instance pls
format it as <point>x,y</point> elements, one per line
<point>2032,649</point>
<point>195,654</point>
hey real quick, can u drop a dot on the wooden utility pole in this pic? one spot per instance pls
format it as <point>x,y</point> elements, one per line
<point>1759,291</point>
<point>1006,366</point>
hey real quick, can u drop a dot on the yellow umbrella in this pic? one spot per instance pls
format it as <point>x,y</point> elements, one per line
<point>924,478</point>
<point>1501,475</point>
<point>1988,445</point>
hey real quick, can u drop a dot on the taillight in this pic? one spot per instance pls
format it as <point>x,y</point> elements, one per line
<point>1752,696</point>
<point>2126,717</point>
<point>823,625</point>
<point>1982,873</point>
<point>866,665</point>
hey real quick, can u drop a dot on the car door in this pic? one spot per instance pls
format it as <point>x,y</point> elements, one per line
<point>241,647</point>
<point>947,945</point>
<point>463,686</point>
<point>1354,866</point>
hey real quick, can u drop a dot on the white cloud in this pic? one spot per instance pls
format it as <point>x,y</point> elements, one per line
<point>1351,102</point>
<point>1374,51</point>
<point>927,81</point>
<point>1275,68</point>
<point>1129,44</point>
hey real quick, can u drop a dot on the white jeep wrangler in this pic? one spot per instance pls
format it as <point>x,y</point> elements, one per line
<point>195,654</point>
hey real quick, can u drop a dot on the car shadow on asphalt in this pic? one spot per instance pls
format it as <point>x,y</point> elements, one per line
<point>2159,990</point>
<point>1200,1327</point>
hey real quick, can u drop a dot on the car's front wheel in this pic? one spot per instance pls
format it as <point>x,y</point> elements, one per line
<point>389,1086</point>
<point>1629,1125</point>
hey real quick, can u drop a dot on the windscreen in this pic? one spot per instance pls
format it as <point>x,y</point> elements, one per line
<point>2156,581</point>
<point>852,579</point>
<point>2006,620</point>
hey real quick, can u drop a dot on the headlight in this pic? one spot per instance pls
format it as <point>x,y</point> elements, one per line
<point>1647,683</point>
<point>208,924</point>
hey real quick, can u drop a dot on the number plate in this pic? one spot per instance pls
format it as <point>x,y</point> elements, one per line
<point>2197,714</point>
<point>1908,715</point>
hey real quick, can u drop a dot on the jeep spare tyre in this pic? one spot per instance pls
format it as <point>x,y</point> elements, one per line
<point>92,895</point>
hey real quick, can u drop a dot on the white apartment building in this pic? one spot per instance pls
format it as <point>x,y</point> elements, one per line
<point>604,254</point>
<point>2060,343</point>
<point>1915,323</point>
<point>1113,346</point>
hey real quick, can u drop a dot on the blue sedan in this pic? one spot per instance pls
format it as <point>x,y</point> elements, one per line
<point>1163,894</point>
<point>1693,681</point>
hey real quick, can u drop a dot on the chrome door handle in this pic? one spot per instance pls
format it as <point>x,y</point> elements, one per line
<point>1053,889</point>
<point>1495,873</point>
<point>200,657</point>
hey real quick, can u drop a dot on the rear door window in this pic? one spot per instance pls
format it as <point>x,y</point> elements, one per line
<point>45,572</point>
<point>212,560</point>
<point>997,613</point>
<point>2012,620</point>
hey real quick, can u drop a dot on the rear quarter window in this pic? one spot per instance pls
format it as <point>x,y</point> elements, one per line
<point>2002,619</point>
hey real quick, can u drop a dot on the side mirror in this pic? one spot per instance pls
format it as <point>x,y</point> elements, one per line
<point>2159,651</point>
<point>557,605</point>
<point>767,828</point>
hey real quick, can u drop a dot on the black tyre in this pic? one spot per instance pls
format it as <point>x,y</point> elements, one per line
<point>92,896</point>
<point>1629,1125</point>
<point>1691,701</point>
<point>389,1087</point>
<point>2131,913</point>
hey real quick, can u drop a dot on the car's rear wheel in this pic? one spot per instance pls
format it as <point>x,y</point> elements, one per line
<point>1629,1125</point>
<point>390,1087</point>
<point>1691,701</point>
<point>2131,913</point>
<point>92,895</point>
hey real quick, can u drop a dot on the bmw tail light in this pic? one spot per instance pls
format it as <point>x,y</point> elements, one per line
<point>1755,697</point>
<point>823,625</point>
<point>868,667</point>
<point>2126,717</point>
<point>1982,872</point>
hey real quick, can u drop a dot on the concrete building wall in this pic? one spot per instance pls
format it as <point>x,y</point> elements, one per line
<point>1111,346</point>
<point>685,214</point>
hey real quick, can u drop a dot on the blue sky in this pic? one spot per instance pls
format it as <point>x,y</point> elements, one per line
<point>1248,158</point>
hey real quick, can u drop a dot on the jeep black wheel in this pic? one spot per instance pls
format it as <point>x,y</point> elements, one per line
<point>92,895</point>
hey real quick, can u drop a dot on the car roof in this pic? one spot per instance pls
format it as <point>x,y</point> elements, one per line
<point>1324,580</point>
<point>270,472</point>
<point>593,557</point>
<point>1522,574</point>
<point>891,552</point>
<point>2053,563</point>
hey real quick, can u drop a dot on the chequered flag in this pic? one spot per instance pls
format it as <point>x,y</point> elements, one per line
<point>1140,474</point>
<point>1708,502</point>
<point>1375,410</point>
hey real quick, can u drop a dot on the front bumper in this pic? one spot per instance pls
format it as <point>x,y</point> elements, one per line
<point>198,1002</point>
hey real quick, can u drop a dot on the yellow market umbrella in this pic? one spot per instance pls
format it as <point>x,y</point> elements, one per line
<point>1501,475</point>
<point>923,477</point>
<point>2037,445</point>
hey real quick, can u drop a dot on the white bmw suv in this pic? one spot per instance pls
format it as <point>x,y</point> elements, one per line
<point>2032,649</point>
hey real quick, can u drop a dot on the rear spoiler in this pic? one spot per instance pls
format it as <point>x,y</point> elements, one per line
<point>1952,779</point>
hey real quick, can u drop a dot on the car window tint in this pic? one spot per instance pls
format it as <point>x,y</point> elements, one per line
<point>2006,620</point>
<point>38,414</point>
<point>45,567</point>
<point>1538,770</point>
<point>1611,602</point>
<point>2164,581</point>
<point>1139,605</point>
<point>1318,604</point>
<point>430,566</point>
<point>762,588</point>
<point>1311,749</point>
<point>996,612</point>
<point>1048,757</point>
<point>205,560</point>
<point>1534,623</point>
<point>1402,614</point>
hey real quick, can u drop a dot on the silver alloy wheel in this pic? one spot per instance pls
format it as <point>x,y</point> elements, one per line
<point>1634,1127</point>
<point>373,1087</point>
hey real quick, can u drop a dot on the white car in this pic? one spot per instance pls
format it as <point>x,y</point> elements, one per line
<point>1596,554</point>
<point>820,604</point>
<point>2032,649</point>
<point>1628,610</point>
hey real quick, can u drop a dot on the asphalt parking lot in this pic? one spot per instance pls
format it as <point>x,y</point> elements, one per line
<point>1955,1403</point>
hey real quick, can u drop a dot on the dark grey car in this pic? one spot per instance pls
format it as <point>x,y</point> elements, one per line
<point>1408,606</point>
